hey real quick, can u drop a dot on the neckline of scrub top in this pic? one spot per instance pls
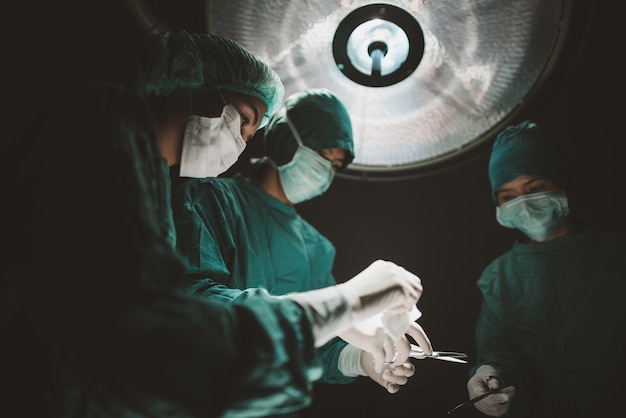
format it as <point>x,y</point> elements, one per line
<point>270,200</point>
<point>571,239</point>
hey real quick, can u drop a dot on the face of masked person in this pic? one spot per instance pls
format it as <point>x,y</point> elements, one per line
<point>306,176</point>
<point>537,215</point>
<point>211,145</point>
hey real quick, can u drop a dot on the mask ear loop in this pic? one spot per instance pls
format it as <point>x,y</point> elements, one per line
<point>293,129</point>
<point>295,133</point>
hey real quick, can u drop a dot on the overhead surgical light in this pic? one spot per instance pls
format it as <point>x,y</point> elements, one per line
<point>426,83</point>
<point>378,45</point>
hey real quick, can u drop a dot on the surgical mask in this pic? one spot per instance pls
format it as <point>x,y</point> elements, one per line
<point>307,175</point>
<point>536,214</point>
<point>211,145</point>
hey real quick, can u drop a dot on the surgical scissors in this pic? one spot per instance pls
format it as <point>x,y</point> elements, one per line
<point>472,401</point>
<point>453,356</point>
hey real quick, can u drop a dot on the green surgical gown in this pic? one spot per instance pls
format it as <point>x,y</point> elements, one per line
<point>553,322</point>
<point>94,318</point>
<point>236,234</point>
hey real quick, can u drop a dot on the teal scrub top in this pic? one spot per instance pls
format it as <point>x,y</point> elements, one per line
<point>96,322</point>
<point>553,322</point>
<point>236,234</point>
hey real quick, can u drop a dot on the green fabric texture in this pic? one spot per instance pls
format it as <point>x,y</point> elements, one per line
<point>241,237</point>
<point>167,353</point>
<point>525,149</point>
<point>553,323</point>
<point>182,64</point>
<point>321,119</point>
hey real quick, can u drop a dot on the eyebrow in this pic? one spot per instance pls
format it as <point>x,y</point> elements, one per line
<point>333,160</point>
<point>533,180</point>
<point>524,184</point>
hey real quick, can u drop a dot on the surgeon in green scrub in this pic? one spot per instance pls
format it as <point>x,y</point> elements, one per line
<point>209,96</point>
<point>95,321</point>
<point>246,232</point>
<point>552,330</point>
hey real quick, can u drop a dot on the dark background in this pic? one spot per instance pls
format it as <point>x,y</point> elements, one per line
<point>440,226</point>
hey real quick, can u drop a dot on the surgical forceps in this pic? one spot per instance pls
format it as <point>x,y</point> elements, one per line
<point>453,356</point>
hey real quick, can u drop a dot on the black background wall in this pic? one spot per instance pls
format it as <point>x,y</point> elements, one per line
<point>441,226</point>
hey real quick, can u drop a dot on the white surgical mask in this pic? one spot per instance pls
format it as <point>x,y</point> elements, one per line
<point>211,145</point>
<point>307,175</point>
<point>537,215</point>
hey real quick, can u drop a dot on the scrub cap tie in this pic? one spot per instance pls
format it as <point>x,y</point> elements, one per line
<point>183,64</point>
<point>525,150</point>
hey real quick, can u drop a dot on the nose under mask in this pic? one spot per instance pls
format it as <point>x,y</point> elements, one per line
<point>537,215</point>
<point>211,145</point>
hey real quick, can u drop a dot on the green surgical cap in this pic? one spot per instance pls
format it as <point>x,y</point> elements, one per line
<point>183,64</point>
<point>525,150</point>
<point>321,120</point>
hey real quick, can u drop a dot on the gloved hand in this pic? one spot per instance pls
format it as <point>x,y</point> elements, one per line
<point>391,377</point>
<point>396,324</point>
<point>382,285</point>
<point>370,335</point>
<point>355,362</point>
<point>486,378</point>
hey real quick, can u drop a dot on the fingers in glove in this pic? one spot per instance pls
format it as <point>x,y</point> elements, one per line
<point>412,278</point>
<point>379,359</point>
<point>402,349</point>
<point>419,335</point>
<point>496,404</point>
<point>392,387</point>
<point>402,372</point>
<point>384,352</point>
<point>394,377</point>
<point>485,379</point>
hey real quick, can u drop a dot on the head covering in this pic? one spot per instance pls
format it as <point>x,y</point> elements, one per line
<point>321,120</point>
<point>182,64</point>
<point>525,150</point>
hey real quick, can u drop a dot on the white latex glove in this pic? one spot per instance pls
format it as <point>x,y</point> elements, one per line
<point>486,378</point>
<point>391,377</point>
<point>396,324</point>
<point>382,285</point>
<point>370,336</point>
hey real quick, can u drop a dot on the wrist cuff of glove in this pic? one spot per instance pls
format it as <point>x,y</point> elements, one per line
<point>329,309</point>
<point>349,362</point>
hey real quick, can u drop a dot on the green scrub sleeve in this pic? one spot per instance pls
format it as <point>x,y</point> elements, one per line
<point>328,355</point>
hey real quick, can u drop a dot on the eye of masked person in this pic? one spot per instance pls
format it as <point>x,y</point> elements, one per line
<point>336,156</point>
<point>524,185</point>
<point>251,110</point>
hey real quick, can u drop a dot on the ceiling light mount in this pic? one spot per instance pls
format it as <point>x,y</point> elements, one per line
<point>378,45</point>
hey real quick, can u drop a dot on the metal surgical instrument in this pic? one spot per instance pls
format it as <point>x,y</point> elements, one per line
<point>453,356</point>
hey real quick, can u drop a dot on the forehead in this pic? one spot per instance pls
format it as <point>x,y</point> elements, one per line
<point>248,100</point>
<point>523,181</point>
<point>335,154</point>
